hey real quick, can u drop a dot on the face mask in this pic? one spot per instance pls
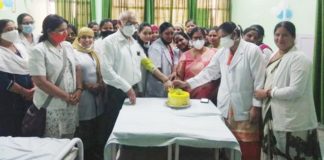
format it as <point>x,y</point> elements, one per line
<point>128,30</point>
<point>198,44</point>
<point>27,28</point>
<point>226,42</point>
<point>58,37</point>
<point>11,36</point>
<point>106,33</point>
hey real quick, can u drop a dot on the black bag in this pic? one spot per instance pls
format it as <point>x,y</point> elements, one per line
<point>34,121</point>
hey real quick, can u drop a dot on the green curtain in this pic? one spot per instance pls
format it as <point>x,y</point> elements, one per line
<point>202,17</point>
<point>192,9</point>
<point>319,62</point>
<point>106,9</point>
<point>93,10</point>
<point>149,11</point>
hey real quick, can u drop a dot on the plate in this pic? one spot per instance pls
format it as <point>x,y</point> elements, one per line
<point>178,107</point>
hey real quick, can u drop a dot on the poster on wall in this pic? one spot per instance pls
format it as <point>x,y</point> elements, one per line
<point>8,5</point>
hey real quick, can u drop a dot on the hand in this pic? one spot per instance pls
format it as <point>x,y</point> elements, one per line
<point>28,94</point>
<point>172,76</point>
<point>167,84</point>
<point>261,94</point>
<point>255,114</point>
<point>179,83</point>
<point>131,95</point>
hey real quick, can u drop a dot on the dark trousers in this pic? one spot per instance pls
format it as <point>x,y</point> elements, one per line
<point>114,100</point>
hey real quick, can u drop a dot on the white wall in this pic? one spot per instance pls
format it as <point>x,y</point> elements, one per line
<point>248,12</point>
<point>38,9</point>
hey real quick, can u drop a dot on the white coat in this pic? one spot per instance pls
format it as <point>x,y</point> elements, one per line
<point>239,80</point>
<point>292,102</point>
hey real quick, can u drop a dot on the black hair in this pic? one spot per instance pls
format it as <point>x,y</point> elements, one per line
<point>91,24</point>
<point>289,26</point>
<point>259,28</point>
<point>142,26</point>
<point>231,27</point>
<point>20,19</point>
<point>50,23</point>
<point>247,30</point>
<point>164,26</point>
<point>183,34</point>
<point>197,29</point>
<point>103,22</point>
<point>3,24</point>
<point>74,29</point>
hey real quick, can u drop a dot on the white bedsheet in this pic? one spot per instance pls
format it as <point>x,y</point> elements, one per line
<point>151,123</point>
<point>26,148</point>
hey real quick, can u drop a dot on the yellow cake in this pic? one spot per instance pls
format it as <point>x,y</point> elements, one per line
<point>178,98</point>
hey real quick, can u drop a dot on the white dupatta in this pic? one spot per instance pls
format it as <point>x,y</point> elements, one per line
<point>10,62</point>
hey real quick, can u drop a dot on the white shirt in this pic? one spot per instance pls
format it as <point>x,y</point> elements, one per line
<point>121,63</point>
<point>26,43</point>
<point>239,80</point>
<point>46,60</point>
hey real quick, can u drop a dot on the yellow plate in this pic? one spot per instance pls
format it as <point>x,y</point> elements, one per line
<point>177,107</point>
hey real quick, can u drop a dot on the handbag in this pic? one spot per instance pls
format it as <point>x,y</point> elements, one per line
<point>34,121</point>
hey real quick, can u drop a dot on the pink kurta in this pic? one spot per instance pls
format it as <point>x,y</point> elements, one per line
<point>190,65</point>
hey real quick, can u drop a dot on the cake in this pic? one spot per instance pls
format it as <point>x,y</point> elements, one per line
<point>178,98</point>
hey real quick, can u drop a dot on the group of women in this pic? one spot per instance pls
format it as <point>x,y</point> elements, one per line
<point>253,81</point>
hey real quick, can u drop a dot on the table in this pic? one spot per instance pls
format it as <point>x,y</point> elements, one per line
<point>151,123</point>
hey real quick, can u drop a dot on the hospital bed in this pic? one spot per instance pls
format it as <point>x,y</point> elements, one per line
<point>25,148</point>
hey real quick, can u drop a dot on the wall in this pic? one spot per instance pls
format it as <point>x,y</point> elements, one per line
<point>248,12</point>
<point>38,9</point>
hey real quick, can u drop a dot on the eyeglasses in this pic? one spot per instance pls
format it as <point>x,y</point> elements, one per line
<point>27,23</point>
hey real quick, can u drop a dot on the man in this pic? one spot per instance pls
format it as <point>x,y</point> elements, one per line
<point>121,69</point>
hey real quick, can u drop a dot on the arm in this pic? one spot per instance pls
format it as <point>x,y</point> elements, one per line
<point>300,73</point>
<point>181,67</point>
<point>210,72</point>
<point>79,87</point>
<point>257,67</point>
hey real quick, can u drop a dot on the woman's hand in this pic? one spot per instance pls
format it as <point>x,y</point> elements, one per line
<point>179,83</point>
<point>28,94</point>
<point>172,76</point>
<point>261,94</point>
<point>167,84</point>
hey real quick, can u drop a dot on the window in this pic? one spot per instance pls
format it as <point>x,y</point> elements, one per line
<point>173,11</point>
<point>119,6</point>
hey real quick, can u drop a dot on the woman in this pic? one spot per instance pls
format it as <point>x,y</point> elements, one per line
<point>190,24</point>
<point>155,32</point>
<point>72,33</point>
<point>193,61</point>
<point>213,38</point>
<point>46,62</point>
<point>181,40</point>
<point>240,66</point>
<point>164,58</point>
<point>144,37</point>
<point>16,89</point>
<point>288,109</point>
<point>26,27</point>
<point>91,100</point>
<point>106,28</point>
<point>95,28</point>
<point>255,34</point>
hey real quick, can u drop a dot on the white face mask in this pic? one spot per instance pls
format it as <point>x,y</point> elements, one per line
<point>226,42</point>
<point>198,44</point>
<point>27,28</point>
<point>11,36</point>
<point>128,30</point>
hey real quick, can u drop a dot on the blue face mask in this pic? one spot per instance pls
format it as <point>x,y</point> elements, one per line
<point>27,28</point>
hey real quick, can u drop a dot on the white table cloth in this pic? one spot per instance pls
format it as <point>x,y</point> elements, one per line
<point>151,123</point>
